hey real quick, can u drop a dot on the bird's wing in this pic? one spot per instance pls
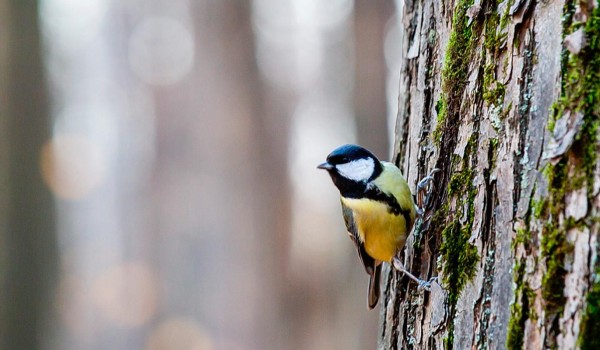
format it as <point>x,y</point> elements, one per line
<point>366,259</point>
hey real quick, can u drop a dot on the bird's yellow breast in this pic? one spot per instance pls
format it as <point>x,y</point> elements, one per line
<point>381,232</point>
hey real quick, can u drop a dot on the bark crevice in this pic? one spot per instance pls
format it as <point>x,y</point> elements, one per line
<point>508,236</point>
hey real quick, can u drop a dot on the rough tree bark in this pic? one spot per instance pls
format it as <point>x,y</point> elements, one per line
<point>504,98</point>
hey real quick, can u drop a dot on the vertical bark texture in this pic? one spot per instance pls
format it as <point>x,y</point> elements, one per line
<point>503,98</point>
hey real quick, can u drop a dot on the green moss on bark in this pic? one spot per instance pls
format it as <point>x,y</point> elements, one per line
<point>460,259</point>
<point>590,323</point>
<point>459,256</point>
<point>455,70</point>
<point>580,87</point>
<point>494,40</point>
<point>520,310</point>
<point>554,246</point>
<point>580,93</point>
<point>554,250</point>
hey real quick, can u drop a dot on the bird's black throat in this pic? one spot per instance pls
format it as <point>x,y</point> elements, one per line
<point>365,190</point>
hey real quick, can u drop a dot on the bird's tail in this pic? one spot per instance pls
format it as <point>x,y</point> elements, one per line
<point>374,287</point>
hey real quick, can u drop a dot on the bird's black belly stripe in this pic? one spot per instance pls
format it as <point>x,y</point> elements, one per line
<point>376,194</point>
<point>361,190</point>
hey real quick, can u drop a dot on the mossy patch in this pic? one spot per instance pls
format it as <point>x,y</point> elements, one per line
<point>554,246</point>
<point>495,36</point>
<point>538,207</point>
<point>459,257</point>
<point>455,70</point>
<point>522,236</point>
<point>493,152</point>
<point>590,323</point>
<point>520,310</point>
<point>580,93</point>
<point>580,86</point>
<point>554,250</point>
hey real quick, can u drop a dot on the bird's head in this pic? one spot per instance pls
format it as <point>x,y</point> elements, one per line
<point>351,166</point>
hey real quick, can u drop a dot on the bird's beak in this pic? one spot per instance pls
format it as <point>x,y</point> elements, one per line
<point>325,166</point>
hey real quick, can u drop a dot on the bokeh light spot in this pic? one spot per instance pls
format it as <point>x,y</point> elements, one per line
<point>161,51</point>
<point>73,23</point>
<point>179,334</point>
<point>127,294</point>
<point>73,165</point>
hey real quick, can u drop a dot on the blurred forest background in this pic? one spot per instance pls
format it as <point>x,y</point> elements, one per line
<point>158,187</point>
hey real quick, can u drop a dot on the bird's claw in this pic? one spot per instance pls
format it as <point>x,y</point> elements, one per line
<point>422,196</point>
<point>427,179</point>
<point>426,285</point>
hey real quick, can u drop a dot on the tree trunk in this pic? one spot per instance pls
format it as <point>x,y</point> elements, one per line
<point>503,98</point>
<point>28,263</point>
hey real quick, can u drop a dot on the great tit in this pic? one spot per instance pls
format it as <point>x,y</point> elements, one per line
<point>378,208</point>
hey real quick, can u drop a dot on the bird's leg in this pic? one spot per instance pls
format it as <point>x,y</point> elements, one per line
<point>422,194</point>
<point>423,285</point>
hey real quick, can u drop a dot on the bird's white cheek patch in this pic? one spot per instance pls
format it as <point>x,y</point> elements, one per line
<point>357,170</point>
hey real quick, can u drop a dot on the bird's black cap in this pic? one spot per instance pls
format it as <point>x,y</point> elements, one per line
<point>348,153</point>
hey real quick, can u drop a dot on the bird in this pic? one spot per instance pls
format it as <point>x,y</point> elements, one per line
<point>378,209</point>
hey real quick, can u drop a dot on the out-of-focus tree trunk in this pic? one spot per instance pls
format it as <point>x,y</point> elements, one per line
<point>504,98</point>
<point>240,147</point>
<point>370,19</point>
<point>28,236</point>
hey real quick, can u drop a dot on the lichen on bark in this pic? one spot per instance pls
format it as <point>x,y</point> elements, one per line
<point>580,93</point>
<point>458,256</point>
<point>502,236</point>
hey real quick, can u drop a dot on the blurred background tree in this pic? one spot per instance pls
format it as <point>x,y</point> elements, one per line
<point>160,189</point>
<point>28,258</point>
